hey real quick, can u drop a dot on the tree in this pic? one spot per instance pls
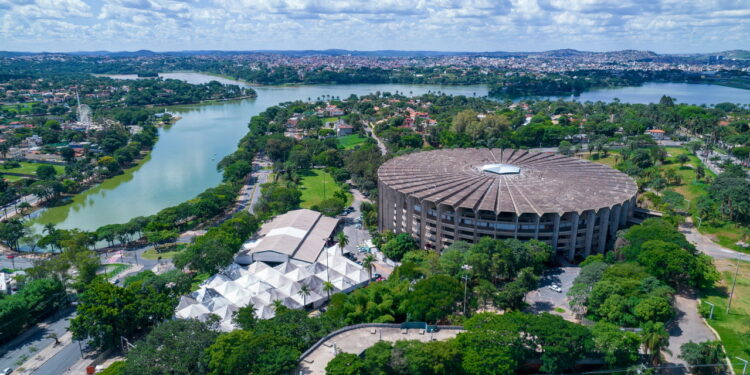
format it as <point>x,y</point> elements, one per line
<point>433,298</point>
<point>492,344</point>
<point>68,154</point>
<point>244,352</point>
<point>107,312</point>
<point>245,317</point>
<point>328,288</point>
<point>654,309</point>
<point>11,232</point>
<point>619,348</point>
<point>397,246</point>
<point>368,263</point>
<point>704,353</point>
<point>565,148</point>
<point>562,342</point>
<point>682,159</point>
<point>46,172</point>
<point>304,292</point>
<point>343,240</point>
<point>330,207</point>
<point>172,348</point>
<point>346,364</point>
<point>654,339</point>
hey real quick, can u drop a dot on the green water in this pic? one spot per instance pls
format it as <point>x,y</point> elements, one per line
<point>183,162</point>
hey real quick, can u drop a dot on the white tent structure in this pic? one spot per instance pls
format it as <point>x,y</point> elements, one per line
<point>261,285</point>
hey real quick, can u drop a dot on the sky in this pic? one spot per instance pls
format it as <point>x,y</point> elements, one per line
<point>664,26</point>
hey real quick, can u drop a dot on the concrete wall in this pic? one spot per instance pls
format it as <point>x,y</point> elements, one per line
<point>574,235</point>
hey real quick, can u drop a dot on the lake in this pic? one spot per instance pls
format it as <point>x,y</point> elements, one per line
<point>183,162</point>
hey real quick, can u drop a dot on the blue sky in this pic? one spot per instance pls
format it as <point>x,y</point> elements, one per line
<point>667,26</point>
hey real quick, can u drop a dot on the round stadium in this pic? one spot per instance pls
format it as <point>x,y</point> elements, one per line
<point>443,196</point>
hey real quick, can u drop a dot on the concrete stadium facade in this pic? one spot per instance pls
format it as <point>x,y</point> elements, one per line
<point>443,196</point>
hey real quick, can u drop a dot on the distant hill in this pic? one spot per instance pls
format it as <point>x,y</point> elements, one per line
<point>559,53</point>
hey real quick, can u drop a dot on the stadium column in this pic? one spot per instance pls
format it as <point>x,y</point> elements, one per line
<point>615,219</point>
<point>537,220</point>
<point>624,213</point>
<point>423,227</point>
<point>590,221</point>
<point>400,214</point>
<point>515,225</point>
<point>410,215</point>
<point>573,235</point>
<point>439,227</point>
<point>603,228</point>
<point>555,231</point>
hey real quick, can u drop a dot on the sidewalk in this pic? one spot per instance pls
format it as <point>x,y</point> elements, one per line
<point>41,357</point>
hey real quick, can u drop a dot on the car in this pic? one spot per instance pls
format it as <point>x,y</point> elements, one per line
<point>358,226</point>
<point>6,371</point>
<point>556,288</point>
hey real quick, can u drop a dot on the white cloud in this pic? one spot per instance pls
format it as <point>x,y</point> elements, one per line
<point>661,25</point>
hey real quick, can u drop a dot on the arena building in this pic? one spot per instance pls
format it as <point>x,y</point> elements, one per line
<point>447,195</point>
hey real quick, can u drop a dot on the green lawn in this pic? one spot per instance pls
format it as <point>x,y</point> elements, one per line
<point>317,185</point>
<point>13,178</point>
<point>30,168</point>
<point>350,141</point>
<point>734,328</point>
<point>111,270</point>
<point>328,119</point>
<point>166,253</point>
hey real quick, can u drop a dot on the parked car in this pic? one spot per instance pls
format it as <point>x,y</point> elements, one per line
<point>7,371</point>
<point>556,288</point>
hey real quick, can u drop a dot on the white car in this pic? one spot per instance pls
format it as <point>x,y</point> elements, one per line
<point>556,288</point>
<point>7,371</point>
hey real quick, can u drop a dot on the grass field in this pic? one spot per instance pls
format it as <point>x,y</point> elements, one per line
<point>317,185</point>
<point>326,120</point>
<point>13,178</point>
<point>30,168</point>
<point>734,328</point>
<point>152,254</point>
<point>113,269</point>
<point>350,141</point>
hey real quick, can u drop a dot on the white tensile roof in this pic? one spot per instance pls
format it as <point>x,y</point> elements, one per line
<point>261,285</point>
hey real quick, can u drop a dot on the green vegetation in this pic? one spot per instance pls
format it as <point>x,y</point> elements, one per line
<point>732,327</point>
<point>35,301</point>
<point>114,269</point>
<point>318,185</point>
<point>30,168</point>
<point>637,290</point>
<point>164,252</point>
<point>350,141</point>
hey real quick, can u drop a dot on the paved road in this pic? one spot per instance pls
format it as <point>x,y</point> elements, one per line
<point>33,340</point>
<point>704,244</point>
<point>371,133</point>
<point>688,326</point>
<point>544,299</point>
<point>63,360</point>
<point>357,340</point>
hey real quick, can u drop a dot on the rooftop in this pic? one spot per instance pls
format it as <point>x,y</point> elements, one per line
<point>506,180</point>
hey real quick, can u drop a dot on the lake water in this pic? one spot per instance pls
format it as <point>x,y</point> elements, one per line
<point>183,161</point>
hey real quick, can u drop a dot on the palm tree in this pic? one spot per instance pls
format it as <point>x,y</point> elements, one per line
<point>24,208</point>
<point>328,288</point>
<point>655,339</point>
<point>343,240</point>
<point>368,263</point>
<point>304,291</point>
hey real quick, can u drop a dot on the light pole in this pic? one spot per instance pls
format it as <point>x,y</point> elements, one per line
<point>711,314</point>
<point>734,283</point>
<point>466,269</point>
<point>744,367</point>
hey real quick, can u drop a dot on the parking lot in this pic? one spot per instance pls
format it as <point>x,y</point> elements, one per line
<point>545,299</point>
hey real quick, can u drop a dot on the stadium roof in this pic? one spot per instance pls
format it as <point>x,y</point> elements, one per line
<point>486,179</point>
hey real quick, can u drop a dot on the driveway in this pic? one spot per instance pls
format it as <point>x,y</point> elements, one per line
<point>544,299</point>
<point>688,326</point>
<point>705,244</point>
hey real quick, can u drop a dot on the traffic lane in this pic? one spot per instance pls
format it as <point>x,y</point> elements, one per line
<point>60,362</point>
<point>27,345</point>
